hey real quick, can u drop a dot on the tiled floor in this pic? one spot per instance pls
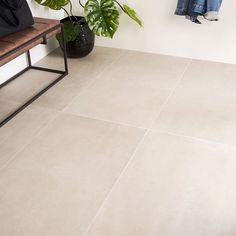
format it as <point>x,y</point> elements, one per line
<point>129,144</point>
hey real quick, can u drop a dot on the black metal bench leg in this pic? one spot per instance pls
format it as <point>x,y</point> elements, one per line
<point>64,49</point>
<point>62,75</point>
<point>28,59</point>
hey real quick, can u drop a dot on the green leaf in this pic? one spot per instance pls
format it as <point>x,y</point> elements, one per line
<point>132,14</point>
<point>71,32</point>
<point>102,17</point>
<point>53,4</point>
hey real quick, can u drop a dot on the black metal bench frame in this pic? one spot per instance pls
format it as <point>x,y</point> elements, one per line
<point>62,74</point>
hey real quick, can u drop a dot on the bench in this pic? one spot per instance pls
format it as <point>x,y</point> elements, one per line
<point>16,44</point>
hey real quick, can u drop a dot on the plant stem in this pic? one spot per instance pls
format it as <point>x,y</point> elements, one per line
<point>80,3</point>
<point>67,13</point>
<point>122,8</point>
<point>71,13</point>
<point>74,17</point>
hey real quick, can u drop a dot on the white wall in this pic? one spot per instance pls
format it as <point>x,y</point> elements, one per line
<point>38,52</point>
<point>166,33</point>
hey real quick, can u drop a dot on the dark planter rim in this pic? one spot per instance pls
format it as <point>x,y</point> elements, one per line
<point>65,19</point>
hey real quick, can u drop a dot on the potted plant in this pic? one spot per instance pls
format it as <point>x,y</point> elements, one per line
<point>101,18</point>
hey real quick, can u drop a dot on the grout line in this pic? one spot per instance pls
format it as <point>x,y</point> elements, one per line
<point>126,124</point>
<point>152,130</point>
<point>207,141</point>
<point>81,92</point>
<point>116,182</point>
<point>35,135</point>
<point>40,129</point>
<point>134,153</point>
<point>107,121</point>
<point>171,93</point>
<point>91,84</point>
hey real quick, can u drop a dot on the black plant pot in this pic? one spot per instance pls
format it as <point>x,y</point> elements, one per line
<point>83,44</point>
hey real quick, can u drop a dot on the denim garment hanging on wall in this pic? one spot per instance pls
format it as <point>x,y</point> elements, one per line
<point>191,9</point>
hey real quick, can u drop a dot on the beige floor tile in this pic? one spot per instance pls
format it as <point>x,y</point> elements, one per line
<point>27,85</point>
<point>6,108</point>
<point>120,100</point>
<point>88,67</point>
<point>211,81</point>
<point>188,114</point>
<point>148,69</point>
<point>59,96</point>
<point>56,185</point>
<point>16,134</point>
<point>174,186</point>
<point>57,168</point>
<point>131,90</point>
<point>53,60</point>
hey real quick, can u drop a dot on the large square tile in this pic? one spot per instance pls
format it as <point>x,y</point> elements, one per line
<point>149,69</point>
<point>187,113</point>
<point>174,186</point>
<point>131,90</point>
<point>207,74</point>
<point>7,107</point>
<point>19,131</point>
<point>88,67</point>
<point>56,185</point>
<point>24,87</point>
<point>213,82</point>
<point>121,100</point>
<point>59,96</point>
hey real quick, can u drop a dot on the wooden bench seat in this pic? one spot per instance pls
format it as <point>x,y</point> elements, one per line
<point>16,40</point>
<point>16,44</point>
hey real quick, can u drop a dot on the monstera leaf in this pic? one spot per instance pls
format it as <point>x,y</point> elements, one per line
<point>72,30</point>
<point>53,4</point>
<point>132,14</point>
<point>102,17</point>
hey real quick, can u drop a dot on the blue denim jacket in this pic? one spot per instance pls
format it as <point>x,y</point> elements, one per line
<point>193,8</point>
